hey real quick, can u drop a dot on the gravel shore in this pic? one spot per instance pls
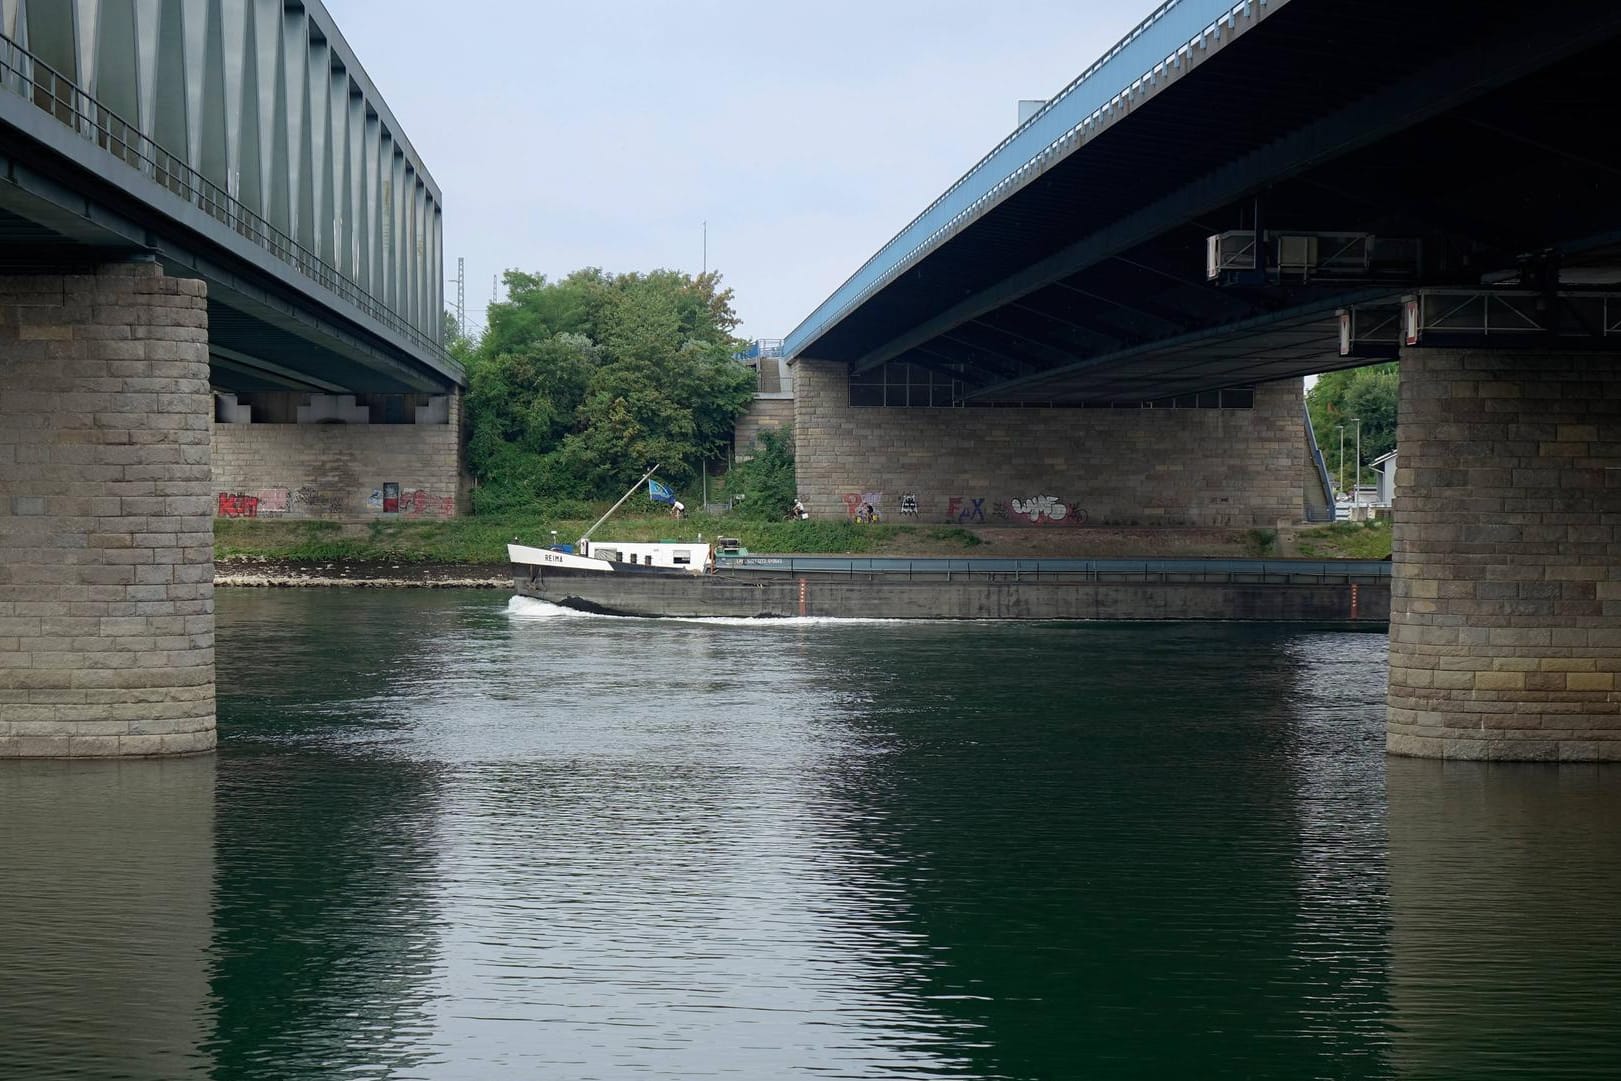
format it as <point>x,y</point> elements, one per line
<point>265,573</point>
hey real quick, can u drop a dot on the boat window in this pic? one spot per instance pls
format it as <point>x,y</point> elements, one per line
<point>683,558</point>
<point>609,554</point>
<point>648,559</point>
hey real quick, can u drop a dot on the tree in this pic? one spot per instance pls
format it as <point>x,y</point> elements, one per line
<point>1367,394</point>
<point>579,385</point>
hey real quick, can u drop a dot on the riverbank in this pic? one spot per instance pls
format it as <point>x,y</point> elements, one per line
<point>482,541</point>
<point>471,552</point>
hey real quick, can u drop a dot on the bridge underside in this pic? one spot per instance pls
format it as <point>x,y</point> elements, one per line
<point>1310,185</point>
<point>262,336</point>
<point>1471,147</point>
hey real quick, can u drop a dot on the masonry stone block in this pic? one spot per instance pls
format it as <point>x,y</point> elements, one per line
<point>1164,467</point>
<point>339,470</point>
<point>93,500</point>
<point>1504,544</point>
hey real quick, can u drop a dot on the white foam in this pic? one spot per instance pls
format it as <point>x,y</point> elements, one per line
<point>533,609</point>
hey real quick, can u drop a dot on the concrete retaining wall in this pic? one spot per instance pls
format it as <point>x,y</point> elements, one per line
<point>1053,468</point>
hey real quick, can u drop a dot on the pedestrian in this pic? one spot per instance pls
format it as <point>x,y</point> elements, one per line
<point>678,509</point>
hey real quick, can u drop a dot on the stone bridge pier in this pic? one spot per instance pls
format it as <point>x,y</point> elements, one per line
<point>106,574</point>
<point>1505,635</point>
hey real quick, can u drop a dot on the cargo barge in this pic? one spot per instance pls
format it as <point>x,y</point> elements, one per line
<point>692,580</point>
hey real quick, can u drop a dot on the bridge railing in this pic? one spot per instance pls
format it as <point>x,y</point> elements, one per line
<point>31,78</point>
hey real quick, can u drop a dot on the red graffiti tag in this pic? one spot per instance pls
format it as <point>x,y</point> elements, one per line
<point>237,505</point>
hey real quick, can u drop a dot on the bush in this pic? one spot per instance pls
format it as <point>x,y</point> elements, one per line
<point>1262,542</point>
<point>767,481</point>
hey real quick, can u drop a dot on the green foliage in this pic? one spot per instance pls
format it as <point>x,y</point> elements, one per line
<point>1347,540</point>
<point>579,385</point>
<point>482,539</point>
<point>1340,398</point>
<point>766,481</point>
<point>1262,542</point>
<point>965,537</point>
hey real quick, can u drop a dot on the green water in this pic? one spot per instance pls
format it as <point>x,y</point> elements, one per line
<point>445,839</point>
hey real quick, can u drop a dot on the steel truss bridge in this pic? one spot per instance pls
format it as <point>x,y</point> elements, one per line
<point>240,142</point>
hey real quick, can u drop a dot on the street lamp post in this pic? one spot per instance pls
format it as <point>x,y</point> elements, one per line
<point>1356,500</point>
<point>1341,427</point>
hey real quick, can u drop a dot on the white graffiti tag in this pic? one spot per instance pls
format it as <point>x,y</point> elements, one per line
<point>1037,506</point>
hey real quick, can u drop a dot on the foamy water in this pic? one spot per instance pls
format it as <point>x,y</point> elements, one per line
<point>532,609</point>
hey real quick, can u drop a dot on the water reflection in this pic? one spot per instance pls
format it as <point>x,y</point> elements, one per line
<point>642,877</point>
<point>1506,924</point>
<point>328,921</point>
<point>1134,851</point>
<point>106,881</point>
<point>452,843</point>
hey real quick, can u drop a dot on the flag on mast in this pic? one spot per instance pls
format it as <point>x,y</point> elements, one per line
<point>658,492</point>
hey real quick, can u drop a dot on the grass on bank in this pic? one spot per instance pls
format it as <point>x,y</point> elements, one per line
<point>484,539</point>
<point>1346,540</point>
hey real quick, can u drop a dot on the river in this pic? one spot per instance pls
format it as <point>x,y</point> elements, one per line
<point>450,835</point>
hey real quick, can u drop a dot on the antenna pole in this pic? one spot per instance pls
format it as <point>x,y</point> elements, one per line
<point>586,535</point>
<point>461,295</point>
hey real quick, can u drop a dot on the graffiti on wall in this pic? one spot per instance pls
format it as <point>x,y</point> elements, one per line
<point>313,500</point>
<point>1042,510</point>
<point>854,501</point>
<point>420,503</point>
<point>410,502</point>
<point>1038,507</point>
<point>909,505</point>
<point>238,505</point>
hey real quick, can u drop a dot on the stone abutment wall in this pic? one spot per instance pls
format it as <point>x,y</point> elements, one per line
<point>1061,468</point>
<point>336,468</point>
<point>775,414</point>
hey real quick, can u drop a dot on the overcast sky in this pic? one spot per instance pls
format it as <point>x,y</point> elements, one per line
<point>605,132</point>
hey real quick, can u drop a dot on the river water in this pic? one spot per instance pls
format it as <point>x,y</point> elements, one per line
<point>453,835</point>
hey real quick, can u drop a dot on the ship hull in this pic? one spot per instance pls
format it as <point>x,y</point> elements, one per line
<point>903,595</point>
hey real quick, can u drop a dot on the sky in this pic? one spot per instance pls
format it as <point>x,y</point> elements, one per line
<point>608,132</point>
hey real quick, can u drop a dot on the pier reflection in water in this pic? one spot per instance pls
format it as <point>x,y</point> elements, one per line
<point>458,841</point>
<point>106,886</point>
<point>1505,883</point>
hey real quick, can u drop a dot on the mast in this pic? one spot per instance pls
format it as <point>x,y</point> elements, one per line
<point>586,535</point>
